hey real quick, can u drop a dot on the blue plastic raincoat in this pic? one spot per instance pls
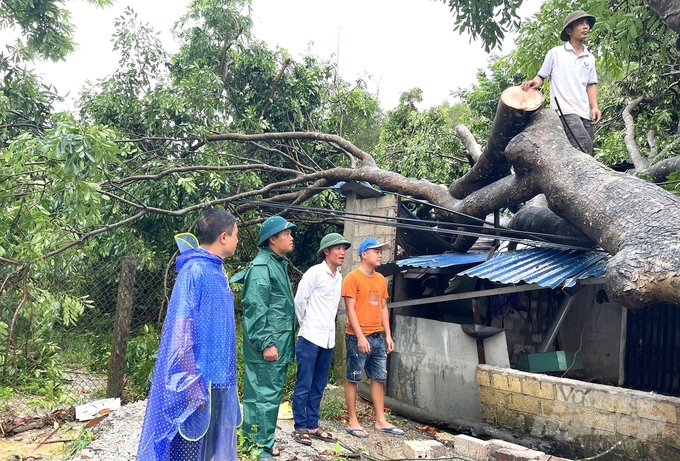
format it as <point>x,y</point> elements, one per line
<point>193,410</point>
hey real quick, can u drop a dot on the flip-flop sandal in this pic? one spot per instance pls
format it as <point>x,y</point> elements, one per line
<point>301,436</point>
<point>318,434</point>
<point>357,432</point>
<point>394,430</point>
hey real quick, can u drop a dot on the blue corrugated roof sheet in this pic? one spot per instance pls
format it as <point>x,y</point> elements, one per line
<point>443,260</point>
<point>543,266</point>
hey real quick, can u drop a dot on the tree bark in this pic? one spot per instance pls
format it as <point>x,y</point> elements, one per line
<point>668,10</point>
<point>634,220</point>
<point>121,326</point>
<point>514,111</point>
<point>638,160</point>
<point>660,171</point>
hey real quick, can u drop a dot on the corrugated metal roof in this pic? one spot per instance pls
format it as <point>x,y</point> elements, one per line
<point>543,266</point>
<point>443,260</point>
<point>596,270</point>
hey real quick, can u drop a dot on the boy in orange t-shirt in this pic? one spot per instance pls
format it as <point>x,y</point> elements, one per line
<point>365,293</point>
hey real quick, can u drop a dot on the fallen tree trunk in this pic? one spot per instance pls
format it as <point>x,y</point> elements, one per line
<point>515,107</point>
<point>659,171</point>
<point>634,220</point>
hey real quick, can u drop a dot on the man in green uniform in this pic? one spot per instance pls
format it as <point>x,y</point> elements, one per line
<point>268,333</point>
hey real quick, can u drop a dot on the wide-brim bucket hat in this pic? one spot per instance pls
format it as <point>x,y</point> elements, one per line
<point>273,226</point>
<point>575,16</point>
<point>330,240</point>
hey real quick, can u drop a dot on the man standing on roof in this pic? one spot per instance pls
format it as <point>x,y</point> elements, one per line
<point>316,304</point>
<point>573,81</point>
<point>365,294</point>
<point>268,333</point>
<point>193,409</point>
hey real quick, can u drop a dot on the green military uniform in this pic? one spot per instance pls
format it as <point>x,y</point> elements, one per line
<point>268,320</point>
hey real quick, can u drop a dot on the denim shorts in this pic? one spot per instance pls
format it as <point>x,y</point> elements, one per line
<point>374,363</point>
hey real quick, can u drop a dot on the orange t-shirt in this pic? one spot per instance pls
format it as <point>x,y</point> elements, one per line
<point>369,293</point>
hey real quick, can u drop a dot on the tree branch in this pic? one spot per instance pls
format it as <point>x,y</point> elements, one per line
<point>473,149</point>
<point>638,160</point>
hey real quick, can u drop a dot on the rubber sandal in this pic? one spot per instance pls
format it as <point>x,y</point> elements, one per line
<point>318,434</point>
<point>357,432</point>
<point>301,436</point>
<point>394,430</point>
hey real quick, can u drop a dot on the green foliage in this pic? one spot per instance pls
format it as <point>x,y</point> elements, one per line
<point>140,360</point>
<point>332,407</point>
<point>247,448</point>
<point>632,46</point>
<point>486,20</point>
<point>672,183</point>
<point>409,136</point>
<point>45,26</point>
<point>482,98</point>
<point>73,448</point>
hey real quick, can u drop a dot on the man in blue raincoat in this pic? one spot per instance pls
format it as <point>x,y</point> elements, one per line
<point>193,410</point>
<point>268,333</point>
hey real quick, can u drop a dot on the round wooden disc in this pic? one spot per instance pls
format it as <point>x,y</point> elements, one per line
<point>517,98</point>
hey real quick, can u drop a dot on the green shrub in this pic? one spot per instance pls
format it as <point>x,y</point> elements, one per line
<point>140,360</point>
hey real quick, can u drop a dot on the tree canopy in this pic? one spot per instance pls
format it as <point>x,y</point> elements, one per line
<point>229,121</point>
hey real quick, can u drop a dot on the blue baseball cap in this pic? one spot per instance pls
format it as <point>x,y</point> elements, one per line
<point>273,226</point>
<point>370,243</point>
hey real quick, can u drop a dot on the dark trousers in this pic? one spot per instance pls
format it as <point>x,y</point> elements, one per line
<point>313,364</point>
<point>579,132</point>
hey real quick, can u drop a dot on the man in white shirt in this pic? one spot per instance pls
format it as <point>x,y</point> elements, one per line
<point>573,81</point>
<point>316,304</point>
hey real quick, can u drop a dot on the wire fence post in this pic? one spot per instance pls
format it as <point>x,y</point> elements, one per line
<point>121,326</point>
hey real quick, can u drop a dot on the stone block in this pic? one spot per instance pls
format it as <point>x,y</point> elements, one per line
<point>671,435</point>
<point>507,454</point>
<point>514,384</point>
<point>483,378</point>
<point>524,403</point>
<point>423,449</point>
<point>639,428</point>
<point>500,382</point>
<point>491,396</point>
<point>571,394</point>
<point>446,438</point>
<point>546,457</point>
<point>488,413</point>
<point>540,389</point>
<point>595,419</point>
<point>498,444</point>
<point>511,419</point>
<point>472,448</point>
<point>614,402</point>
<point>556,410</point>
<point>657,411</point>
<point>537,429</point>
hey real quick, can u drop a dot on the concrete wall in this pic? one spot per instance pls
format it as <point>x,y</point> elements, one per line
<point>355,232</point>
<point>595,330</point>
<point>584,419</point>
<point>433,366</point>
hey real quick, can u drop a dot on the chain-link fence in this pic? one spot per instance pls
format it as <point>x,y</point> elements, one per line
<point>57,337</point>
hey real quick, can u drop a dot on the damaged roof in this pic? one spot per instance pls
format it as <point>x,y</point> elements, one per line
<point>545,267</point>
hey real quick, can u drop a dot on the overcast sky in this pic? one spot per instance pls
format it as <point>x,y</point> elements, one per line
<point>395,45</point>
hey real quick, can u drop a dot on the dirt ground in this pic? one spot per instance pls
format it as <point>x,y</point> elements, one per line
<point>47,443</point>
<point>377,445</point>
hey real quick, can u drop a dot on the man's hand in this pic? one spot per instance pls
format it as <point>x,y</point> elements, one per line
<point>595,116</point>
<point>270,354</point>
<point>389,343</point>
<point>533,84</point>
<point>363,345</point>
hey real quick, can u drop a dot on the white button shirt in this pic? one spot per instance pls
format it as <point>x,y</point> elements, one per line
<point>316,304</point>
<point>569,75</point>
